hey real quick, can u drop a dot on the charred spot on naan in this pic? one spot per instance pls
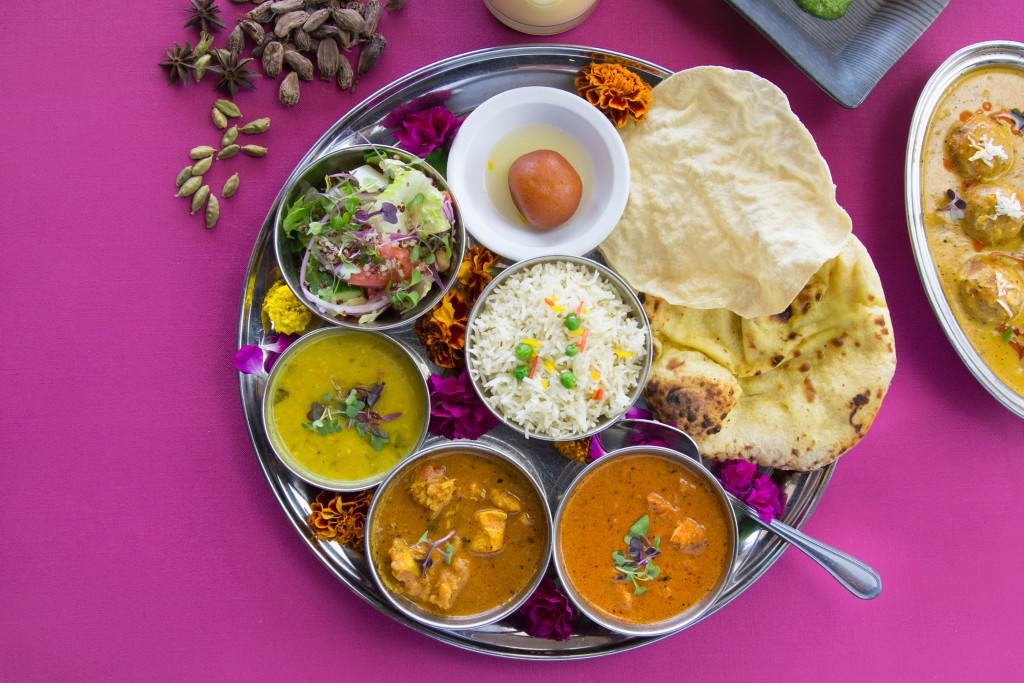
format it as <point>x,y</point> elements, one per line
<point>692,392</point>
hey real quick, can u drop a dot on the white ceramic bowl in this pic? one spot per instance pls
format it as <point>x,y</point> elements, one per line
<point>520,121</point>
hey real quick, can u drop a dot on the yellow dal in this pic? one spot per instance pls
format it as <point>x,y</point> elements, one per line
<point>351,360</point>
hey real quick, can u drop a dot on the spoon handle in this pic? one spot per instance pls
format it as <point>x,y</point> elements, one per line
<point>854,575</point>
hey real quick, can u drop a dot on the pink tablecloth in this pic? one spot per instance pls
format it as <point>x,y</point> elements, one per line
<point>140,540</point>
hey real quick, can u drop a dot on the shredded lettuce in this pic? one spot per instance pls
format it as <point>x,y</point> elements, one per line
<point>412,189</point>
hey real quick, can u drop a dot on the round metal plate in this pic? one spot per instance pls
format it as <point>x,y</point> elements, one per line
<point>470,79</point>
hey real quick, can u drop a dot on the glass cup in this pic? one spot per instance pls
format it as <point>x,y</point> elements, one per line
<point>541,17</point>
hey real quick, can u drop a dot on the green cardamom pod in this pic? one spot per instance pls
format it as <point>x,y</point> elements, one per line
<point>219,119</point>
<point>212,211</point>
<point>228,108</point>
<point>254,150</point>
<point>185,174</point>
<point>228,152</point>
<point>205,41</point>
<point>200,67</point>
<point>190,186</point>
<point>230,186</point>
<point>202,152</point>
<point>229,136</point>
<point>199,198</point>
<point>202,166</point>
<point>256,127</point>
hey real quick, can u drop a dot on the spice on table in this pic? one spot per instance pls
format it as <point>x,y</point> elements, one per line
<point>179,63</point>
<point>256,126</point>
<point>184,175</point>
<point>190,186</point>
<point>233,72</point>
<point>202,166</point>
<point>228,152</point>
<point>203,13</point>
<point>230,186</point>
<point>199,198</point>
<point>289,91</point>
<point>229,136</point>
<point>202,152</point>
<point>212,211</point>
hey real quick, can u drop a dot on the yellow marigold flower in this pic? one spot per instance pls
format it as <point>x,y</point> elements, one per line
<point>443,331</point>
<point>616,91</point>
<point>286,313</point>
<point>578,450</point>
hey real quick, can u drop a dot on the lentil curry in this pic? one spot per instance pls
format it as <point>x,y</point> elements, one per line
<point>972,179</point>
<point>459,534</point>
<point>685,523</point>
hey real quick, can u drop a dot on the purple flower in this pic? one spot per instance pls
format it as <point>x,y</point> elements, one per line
<point>258,359</point>
<point>455,410</point>
<point>741,478</point>
<point>402,111</point>
<point>423,131</point>
<point>547,612</point>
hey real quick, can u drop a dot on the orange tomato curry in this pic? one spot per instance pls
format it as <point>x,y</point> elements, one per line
<point>687,520</point>
<point>479,521</point>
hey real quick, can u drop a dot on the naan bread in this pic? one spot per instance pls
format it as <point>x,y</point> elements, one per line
<point>794,390</point>
<point>730,205</point>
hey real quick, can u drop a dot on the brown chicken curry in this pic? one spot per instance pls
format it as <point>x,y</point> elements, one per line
<point>459,534</point>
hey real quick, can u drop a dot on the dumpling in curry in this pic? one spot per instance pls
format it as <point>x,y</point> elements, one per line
<point>994,213</point>
<point>432,489</point>
<point>991,289</point>
<point>980,148</point>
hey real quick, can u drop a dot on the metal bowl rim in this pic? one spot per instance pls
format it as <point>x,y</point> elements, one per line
<point>495,614</point>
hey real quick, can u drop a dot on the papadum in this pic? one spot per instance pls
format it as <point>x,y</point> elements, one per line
<point>793,390</point>
<point>731,205</point>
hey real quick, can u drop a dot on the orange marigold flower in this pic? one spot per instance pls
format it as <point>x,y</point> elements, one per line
<point>578,450</point>
<point>443,331</point>
<point>474,273</point>
<point>616,91</point>
<point>333,518</point>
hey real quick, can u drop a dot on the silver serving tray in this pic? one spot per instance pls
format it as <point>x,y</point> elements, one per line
<point>472,78</point>
<point>979,55</point>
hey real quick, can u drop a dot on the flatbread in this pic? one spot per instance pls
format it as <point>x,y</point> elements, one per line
<point>731,205</point>
<point>793,391</point>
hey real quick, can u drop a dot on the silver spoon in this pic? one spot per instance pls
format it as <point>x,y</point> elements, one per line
<point>854,575</point>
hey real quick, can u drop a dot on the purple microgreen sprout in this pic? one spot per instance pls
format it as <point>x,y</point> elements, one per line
<point>387,211</point>
<point>955,206</point>
<point>1018,118</point>
<point>351,410</point>
<point>427,560</point>
<point>638,561</point>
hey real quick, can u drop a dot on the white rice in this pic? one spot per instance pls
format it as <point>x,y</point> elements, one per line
<point>516,310</point>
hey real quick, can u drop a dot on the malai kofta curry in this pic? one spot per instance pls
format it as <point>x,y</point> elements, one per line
<point>642,539</point>
<point>459,533</point>
<point>972,179</point>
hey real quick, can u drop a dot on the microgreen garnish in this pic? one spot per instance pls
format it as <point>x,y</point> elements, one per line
<point>639,564</point>
<point>956,205</point>
<point>427,560</point>
<point>354,408</point>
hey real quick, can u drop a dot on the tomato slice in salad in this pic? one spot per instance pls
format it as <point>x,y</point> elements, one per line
<point>396,268</point>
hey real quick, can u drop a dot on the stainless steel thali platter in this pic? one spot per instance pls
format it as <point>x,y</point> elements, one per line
<point>470,79</point>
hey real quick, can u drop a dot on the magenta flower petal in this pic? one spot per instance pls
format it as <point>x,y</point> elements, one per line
<point>456,412</point>
<point>547,612</point>
<point>249,360</point>
<point>423,131</point>
<point>636,413</point>
<point>741,478</point>
<point>402,111</point>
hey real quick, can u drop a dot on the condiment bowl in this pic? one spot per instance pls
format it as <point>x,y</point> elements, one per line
<point>330,363</point>
<point>609,515</point>
<point>523,120</point>
<point>475,339</point>
<point>512,572</point>
<point>312,179</point>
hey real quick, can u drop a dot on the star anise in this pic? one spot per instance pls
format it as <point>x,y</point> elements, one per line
<point>179,63</point>
<point>204,14</point>
<point>232,72</point>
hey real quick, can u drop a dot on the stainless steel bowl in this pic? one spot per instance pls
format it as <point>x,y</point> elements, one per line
<point>418,375</point>
<point>313,177</point>
<point>378,565</point>
<point>620,287</point>
<point>696,611</point>
<point>980,55</point>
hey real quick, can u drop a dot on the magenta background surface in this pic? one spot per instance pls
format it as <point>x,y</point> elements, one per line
<point>140,540</point>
